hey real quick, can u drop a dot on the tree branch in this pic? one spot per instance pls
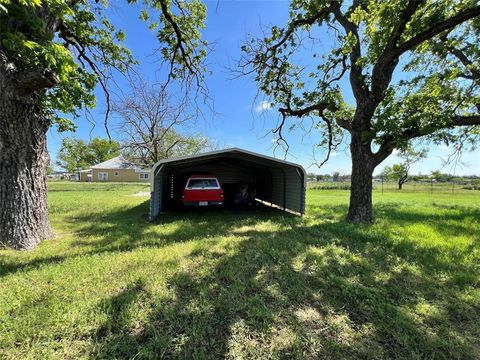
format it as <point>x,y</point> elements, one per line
<point>71,39</point>
<point>460,55</point>
<point>388,143</point>
<point>180,39</point>
<point>405,17</point>
<point>302,22</point>
<point>305,111</point>
<point>466,120</point>
<point>455,20</point>
<point>387,61</point>
<point>360,90</point>
<point>383,69</point>
<point>36,79</point>
<point>386,148</point>
<point>330,144</point>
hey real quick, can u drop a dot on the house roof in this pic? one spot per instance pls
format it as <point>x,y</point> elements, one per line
<point>117,163</point>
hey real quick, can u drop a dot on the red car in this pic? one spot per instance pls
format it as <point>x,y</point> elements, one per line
<point>202,190</point>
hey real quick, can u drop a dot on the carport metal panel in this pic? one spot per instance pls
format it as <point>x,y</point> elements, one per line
<point>288,185</point>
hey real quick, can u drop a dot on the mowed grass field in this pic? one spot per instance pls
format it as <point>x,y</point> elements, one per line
<point>246,285</point>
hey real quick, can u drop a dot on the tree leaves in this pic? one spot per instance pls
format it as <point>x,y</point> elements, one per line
<point>412,66</point>
<point>76,154</point>
<point>77,41</point>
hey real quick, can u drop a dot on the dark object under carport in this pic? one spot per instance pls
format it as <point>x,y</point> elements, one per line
<point>277,183</point>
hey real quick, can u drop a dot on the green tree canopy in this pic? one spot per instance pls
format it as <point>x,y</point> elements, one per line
<point>70,46</point>
<point>401,172</point>
<point>411,65</point>
<point>442,177</point>
<point>103,149</point>
<point>53,54</point>
<point>75,154</point>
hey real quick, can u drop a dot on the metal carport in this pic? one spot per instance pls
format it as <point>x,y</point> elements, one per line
<point>278,183</point>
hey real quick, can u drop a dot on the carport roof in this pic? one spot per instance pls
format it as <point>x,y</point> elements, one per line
<point>216,153</point>
<point>283,183</point>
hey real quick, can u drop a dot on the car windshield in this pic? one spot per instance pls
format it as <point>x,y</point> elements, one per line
<point>202,184</point>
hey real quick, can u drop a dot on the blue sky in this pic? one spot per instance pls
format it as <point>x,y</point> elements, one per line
<point>241,119</point>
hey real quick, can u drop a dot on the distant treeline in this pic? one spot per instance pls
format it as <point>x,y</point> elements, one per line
<point>437,176</point>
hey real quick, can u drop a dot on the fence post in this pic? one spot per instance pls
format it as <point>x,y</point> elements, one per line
<point>431,186</point>
<point>382,184</point>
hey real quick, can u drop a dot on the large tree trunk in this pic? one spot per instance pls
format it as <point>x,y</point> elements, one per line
<point>23,167</point>
<point>360,210</point>
<point>24,162</point>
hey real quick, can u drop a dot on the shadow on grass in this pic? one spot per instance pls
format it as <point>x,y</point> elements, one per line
<point>311,289</point>
<point>307,288</point>
<point>116,229</point>
<point>128,229</point>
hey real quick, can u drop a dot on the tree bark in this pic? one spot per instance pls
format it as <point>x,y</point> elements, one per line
<point>363,164</point>
<point>24,162</point>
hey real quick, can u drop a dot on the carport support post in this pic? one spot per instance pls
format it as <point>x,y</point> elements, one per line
<point>271,189</point>
<point>154,196</point>
<point>302,192</point>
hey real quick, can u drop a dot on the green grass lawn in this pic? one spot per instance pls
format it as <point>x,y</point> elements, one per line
<point>246,285</point>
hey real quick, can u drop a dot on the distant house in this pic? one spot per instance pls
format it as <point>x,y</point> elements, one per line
<point>117,169</point>
<point>84,175</point>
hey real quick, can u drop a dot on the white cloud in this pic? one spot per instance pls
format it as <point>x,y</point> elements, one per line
<point>263,106</point>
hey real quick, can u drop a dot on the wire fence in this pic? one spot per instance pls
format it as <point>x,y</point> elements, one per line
<point>66,185</point>
<point>451,187</point>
